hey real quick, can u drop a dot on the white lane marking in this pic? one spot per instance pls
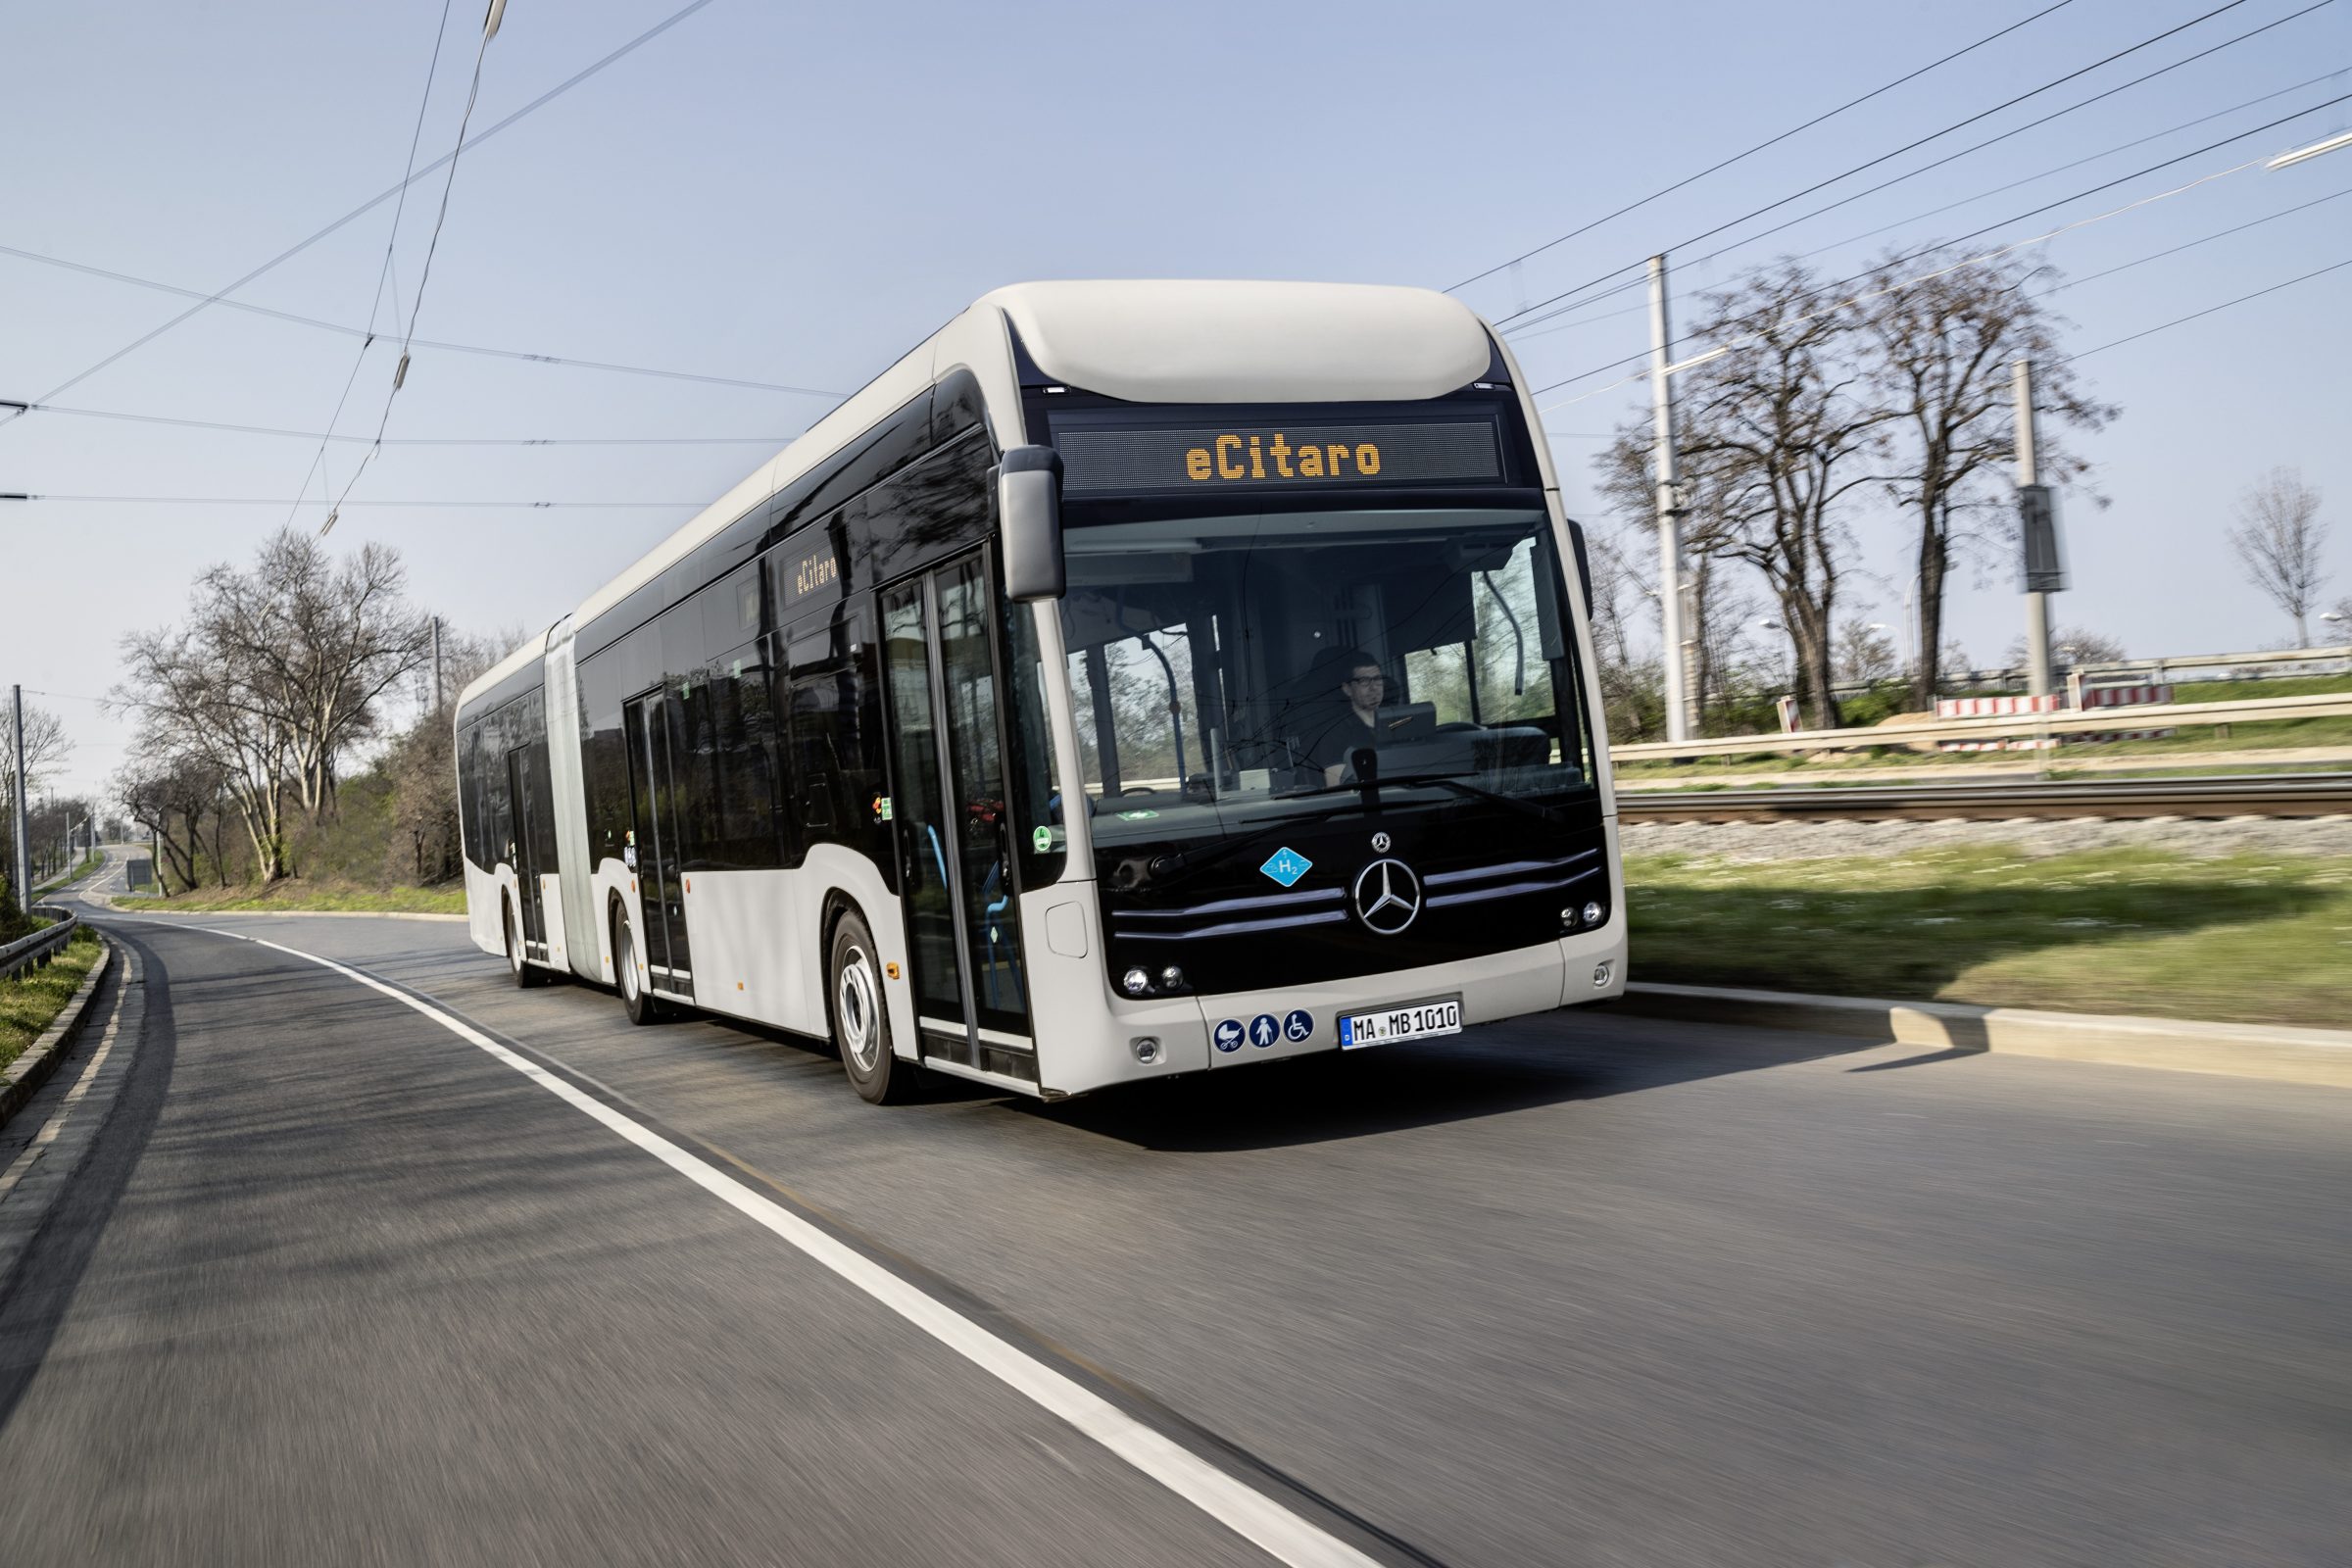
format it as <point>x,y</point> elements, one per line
<point>1241,1509</point>
<point>23,1164</point>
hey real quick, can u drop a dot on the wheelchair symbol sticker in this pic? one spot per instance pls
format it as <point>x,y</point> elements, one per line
<point>1298,1025</point>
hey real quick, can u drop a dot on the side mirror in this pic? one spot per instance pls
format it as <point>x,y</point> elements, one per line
<point>1029,512</point>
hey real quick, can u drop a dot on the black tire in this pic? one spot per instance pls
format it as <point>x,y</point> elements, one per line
<point>517,965</point>
<point>635,995</point>
<point>861,1017</point>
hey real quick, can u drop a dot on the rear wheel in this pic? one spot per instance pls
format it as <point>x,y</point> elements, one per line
<point>861,1021</point>
<point>634,996</point>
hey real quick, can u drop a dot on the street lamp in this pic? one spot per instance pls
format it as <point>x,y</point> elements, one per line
<point>2342,138</point>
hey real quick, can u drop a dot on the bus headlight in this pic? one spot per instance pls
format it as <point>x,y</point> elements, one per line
<point>1172,978</point>
<point>1135,981</point>
<point>1592,913</point>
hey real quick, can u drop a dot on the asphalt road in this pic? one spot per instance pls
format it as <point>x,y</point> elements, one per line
<point>338,1285</point>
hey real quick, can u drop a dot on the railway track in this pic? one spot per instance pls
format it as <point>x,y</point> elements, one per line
<point>2005,800</point>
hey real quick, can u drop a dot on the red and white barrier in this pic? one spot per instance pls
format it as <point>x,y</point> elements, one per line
<point>2083,698</point>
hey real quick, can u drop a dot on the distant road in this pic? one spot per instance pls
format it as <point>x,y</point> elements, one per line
<point>339,1283</point>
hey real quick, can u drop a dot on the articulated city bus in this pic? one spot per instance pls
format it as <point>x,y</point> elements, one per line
<point>1137,678</point>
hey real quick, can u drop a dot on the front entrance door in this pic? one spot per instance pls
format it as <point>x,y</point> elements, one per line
<point>956,864</point>
<point>524,853</point>
<point>647,723</point>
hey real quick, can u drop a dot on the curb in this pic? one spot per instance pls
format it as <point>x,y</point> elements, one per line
<point>2245,1051</point>
<point>280,914</point>
<point>31,1069</point>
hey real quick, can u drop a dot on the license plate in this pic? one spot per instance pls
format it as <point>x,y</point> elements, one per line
<point>1417,1022</point>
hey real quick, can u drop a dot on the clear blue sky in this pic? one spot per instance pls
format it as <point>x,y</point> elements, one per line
<point>799,193</point>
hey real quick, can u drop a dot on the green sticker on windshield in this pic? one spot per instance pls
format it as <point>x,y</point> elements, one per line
<point>1042,840</point>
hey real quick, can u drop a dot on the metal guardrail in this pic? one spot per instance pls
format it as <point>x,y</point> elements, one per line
<point>27,952</point>
<point>2152,715</point>
<point>2165,668</point>
<point>2007,800</point>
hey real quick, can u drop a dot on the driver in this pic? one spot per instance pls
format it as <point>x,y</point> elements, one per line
<point>1358,725</point>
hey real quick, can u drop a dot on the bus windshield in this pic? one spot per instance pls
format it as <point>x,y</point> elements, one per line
<point>1239,670</point>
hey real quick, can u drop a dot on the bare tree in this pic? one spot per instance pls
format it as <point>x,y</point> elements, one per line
<point>1865,655</point>
<point>317,643</point>
<point>1940,351</point>
<point>1781,427</point>
<point>1716,613</point>
<point>2280,540</point>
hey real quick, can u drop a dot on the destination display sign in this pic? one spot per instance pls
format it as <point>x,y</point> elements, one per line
<point>1127,461</point>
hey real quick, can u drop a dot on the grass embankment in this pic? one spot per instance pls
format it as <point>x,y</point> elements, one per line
<point>32,1000</point>
<point>2184,746</point>
<point>297,894</point>
<point>2129,931</point>
<point>90,863</point>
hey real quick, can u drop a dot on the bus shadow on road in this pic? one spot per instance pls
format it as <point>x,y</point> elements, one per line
<point>1502,1068</point>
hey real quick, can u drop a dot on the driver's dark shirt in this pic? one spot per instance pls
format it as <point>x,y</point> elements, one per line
<point>1345,734</point>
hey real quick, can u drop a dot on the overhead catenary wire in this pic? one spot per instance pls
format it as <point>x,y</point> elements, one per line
<point>1770,142</point>
<point>377,200</point>
<point>1537,325</point>
<point>1873,162</point>
<point>423,342</point>
<point>400,372</point>
<point>412,441</point>
<point>279,501</point>
<point>383,273</point>
<point>2183,321</point>
<point>2016,245</point>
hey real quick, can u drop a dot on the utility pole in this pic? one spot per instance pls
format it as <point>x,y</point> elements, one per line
<point>1675,652</point>
<point>23,824</point>
<point>436,663</point>
<point>2037,602</point>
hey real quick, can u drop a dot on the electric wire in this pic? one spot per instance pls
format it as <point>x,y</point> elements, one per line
<point>373,202</point>
<point>423,342</point>
<point>267,500</point>
<point>1851,103</point>
<point>1525,328</point>
<point>2183,321</point>
<point>2018,218</point>
<point>425,274</point>
<point>2010,103</point>
<point>417,441</point>
<point>383,273</point>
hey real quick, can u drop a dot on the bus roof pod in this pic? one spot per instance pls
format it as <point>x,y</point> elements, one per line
<point>1214,341</point>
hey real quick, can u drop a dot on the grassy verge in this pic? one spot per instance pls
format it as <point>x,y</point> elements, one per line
<point>2132,931</point>
<point>297,894</point>
<point>32,1000</point>
<point>2187,743</point>
<point>90,863</point>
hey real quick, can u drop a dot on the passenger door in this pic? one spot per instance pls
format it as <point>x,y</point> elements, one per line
<point>654,809</point>
<point>949,813</point>
<point>523,851</point>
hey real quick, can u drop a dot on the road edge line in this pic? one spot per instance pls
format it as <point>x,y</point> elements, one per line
<point>36,1061</point>
<point>1262,1521</point>
<point>2277,1052</point>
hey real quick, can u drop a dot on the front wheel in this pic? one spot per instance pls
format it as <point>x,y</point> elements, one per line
<point>861,1021</point>
<point>634,996</point>
<point>518,963</point>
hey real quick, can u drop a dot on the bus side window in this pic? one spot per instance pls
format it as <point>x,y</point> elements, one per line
<point>834,716</point>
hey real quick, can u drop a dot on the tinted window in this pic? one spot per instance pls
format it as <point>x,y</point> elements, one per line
<point>834,722</point>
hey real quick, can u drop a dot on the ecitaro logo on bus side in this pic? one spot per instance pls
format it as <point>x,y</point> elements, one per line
<point>1238,457</point>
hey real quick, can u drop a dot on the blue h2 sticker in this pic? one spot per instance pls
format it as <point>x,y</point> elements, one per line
<point>1263,1030</point>
<point>1228,1035</point>
<point>1286,865</point>
<point>1298,1025</point>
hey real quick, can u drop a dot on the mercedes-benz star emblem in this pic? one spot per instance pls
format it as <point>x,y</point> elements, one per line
<point>1387,896</point>
<point>1380,844</point>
